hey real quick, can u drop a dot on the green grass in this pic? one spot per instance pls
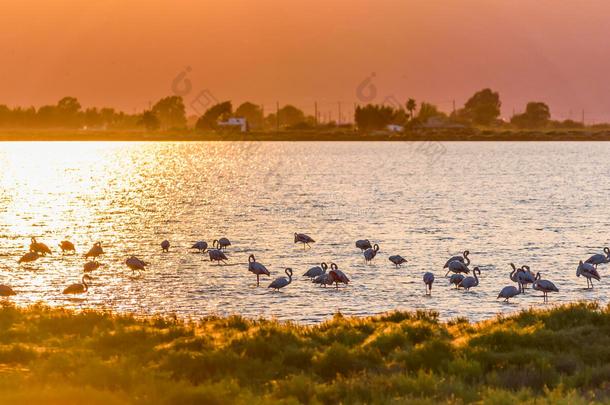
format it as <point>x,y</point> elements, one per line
<point>560,355</point>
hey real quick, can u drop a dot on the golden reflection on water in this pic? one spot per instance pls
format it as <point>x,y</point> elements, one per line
<point>528,203</point>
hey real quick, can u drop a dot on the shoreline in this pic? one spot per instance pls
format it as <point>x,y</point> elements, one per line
<point>59,355</point>
<point>448,135</point>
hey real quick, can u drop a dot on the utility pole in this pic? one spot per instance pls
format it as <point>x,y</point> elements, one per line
<point>453,107</point>
<point>339,113</point>
<point>277,116</point>
<point>315,106</point>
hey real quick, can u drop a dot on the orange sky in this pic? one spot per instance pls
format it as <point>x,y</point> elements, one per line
<point>125,53</point>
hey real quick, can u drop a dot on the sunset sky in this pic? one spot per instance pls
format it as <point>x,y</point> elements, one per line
<point>125,53</point>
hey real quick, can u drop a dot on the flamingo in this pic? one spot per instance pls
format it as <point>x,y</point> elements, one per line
<point>589,271</point>
<point>95,251</point>
<point>6,291</point>
<point>136,264</point>
<point>526,277</point>
<point>457,266</point>
<point>456,279</point>
<point>303,238</point>
<point>29,257</point>
<point>337,276</point>
<point>370,253</point>
<point>78,288</point>
<point>201,246</point>
<point>461,259</point>
<point>165,246</point>
<point>363,244</point>
<point>67,246</point>
<point>516,275</point>
<point>90,266</point>
<point>256,268</point>
<point>599,258</point>
<point>222,243</point>
<point>428,280</point>
<point>282,282</point>
<point>316,271</point>
<point>509,291</point>
<point>468,282</point>
<point>323,279</point>
<point>545,286</point>
<point>216,255</point>
<point>398,260</point>
<point>39,247</point>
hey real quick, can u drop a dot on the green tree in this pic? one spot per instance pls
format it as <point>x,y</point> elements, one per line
<point>537,114</point>
<point>427,111</point>
<point>290,116</point>
<point>373,117</point>
<point>209,119</point>
<point>170,112</point>
<point>482,108</point>
<point>411,106</point>
<point>150,121</point>
<point>251,112</point>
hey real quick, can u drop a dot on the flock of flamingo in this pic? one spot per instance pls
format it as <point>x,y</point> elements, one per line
<point>458,266</point>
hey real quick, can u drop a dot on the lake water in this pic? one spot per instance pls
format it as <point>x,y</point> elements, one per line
<point>541,204</point>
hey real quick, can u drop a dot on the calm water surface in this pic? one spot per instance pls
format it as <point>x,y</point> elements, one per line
<point>541,204</point>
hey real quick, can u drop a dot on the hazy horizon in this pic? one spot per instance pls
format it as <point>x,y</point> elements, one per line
<point>108,53</point>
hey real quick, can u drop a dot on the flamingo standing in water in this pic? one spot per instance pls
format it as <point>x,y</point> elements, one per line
<point>67,246</point>
<point>91,266</point>
<point>29,257</point>
<point>165,246</point>
<point>216,255</point>
<point>428,280</point>
<point>323,279</point>
<point>6,291</point>
<point>136,264</point>
<point>95,251</point>
<point>282,282</point>
<point>316,271</point>
<point>509,291</point>
<point>468,282</point>
<point>397,260</point>
<point>304,239</point>
<point>599,258</point>
<point>201,246</point>
<point>516,275</point>
<point>456,279</point>
<point>363,244</point>
<point>337,276</point>
<point>526,277</point>
<point>463,259</point>
<point>256,268</point>
<point>78,288</point>
<point>589,271</point>
<point>545,286</point>
<point>39,247</point>
<point>370,253</point>
<point>222,243</point>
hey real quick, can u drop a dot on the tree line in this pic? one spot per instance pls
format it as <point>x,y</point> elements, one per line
<point>480,110</point>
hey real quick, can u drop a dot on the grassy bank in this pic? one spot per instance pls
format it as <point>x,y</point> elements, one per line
<point>441,135</point>
<point>561,355</point>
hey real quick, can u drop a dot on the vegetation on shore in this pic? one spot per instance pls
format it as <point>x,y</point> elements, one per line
<point>558,355</point>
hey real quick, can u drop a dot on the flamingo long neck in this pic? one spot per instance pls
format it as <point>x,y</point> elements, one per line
<point>85,283</point>
<point>476,279</point>
<point>466,259</point>
<point>289,274</point>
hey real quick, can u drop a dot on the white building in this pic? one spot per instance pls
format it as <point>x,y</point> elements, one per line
<point>235,122</point>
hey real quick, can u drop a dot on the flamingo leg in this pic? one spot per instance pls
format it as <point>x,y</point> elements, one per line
<point>257,280</point>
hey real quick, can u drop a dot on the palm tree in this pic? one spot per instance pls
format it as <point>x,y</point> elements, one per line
<point>411,106</point>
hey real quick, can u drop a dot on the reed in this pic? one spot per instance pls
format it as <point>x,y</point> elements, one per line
<point>54,355</point>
